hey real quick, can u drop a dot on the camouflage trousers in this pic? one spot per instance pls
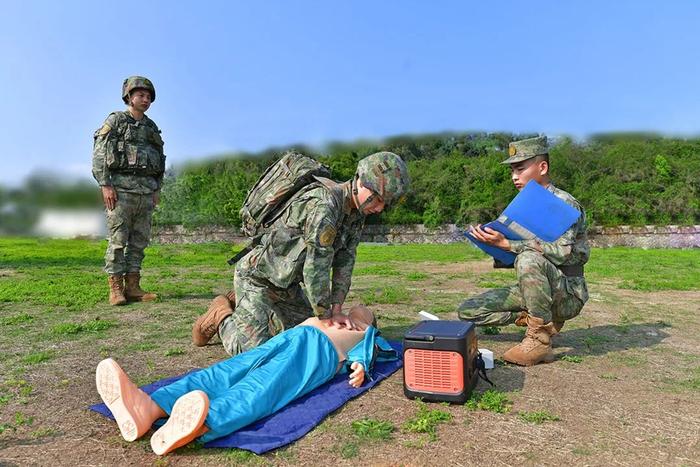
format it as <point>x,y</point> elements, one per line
<point>262,311</point>
<point>129,230</point>
<point>542,290</point>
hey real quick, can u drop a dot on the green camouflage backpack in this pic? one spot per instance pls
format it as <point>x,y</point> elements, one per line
<point>266,200</point>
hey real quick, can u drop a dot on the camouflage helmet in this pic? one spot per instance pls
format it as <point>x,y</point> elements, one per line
<point>384,173</point>
<point>137,82</point>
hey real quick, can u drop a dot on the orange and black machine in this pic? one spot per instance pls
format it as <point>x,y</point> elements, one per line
<point>440,361</point>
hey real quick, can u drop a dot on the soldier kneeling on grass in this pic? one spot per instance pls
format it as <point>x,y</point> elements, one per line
<point>551,288</point>
<point>303,263</point>
<point>128,163</point>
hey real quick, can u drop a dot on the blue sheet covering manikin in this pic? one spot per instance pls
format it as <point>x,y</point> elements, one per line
<point>301,415</point>
<point>259,382</point>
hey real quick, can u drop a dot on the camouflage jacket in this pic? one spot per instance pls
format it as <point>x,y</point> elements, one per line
<point>571,249</point>
<point>128,154</point>
<point>313,242</point>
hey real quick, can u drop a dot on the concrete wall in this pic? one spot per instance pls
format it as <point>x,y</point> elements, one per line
<point>650,236</point>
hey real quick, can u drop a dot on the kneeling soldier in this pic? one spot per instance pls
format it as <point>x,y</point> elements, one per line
<point>551,288</point>
<point>303,265</point>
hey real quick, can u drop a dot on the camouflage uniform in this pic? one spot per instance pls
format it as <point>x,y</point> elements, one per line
<point>128,155</point>
<point>543,289</point>
<point>304,263</point>
<point>285,279</point>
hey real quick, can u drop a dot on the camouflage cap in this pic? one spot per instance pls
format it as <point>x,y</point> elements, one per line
<point>386,174</point>
<point>137,82</point>
<point>526,149</point>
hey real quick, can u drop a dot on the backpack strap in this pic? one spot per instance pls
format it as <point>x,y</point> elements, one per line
<point>151,123</point>
<point>334,188</point>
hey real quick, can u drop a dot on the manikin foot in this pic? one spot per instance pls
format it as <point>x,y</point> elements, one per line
<point>186,423</point>
<point>133,409</point>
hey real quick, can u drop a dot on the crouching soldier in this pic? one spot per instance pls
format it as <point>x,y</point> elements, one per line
<point>128,163</point>
<point>551,288</point>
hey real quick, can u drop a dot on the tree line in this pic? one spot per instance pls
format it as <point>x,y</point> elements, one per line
<point>620,179</point>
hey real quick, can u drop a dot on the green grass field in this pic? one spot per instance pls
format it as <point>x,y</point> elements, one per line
<point>637,329</point>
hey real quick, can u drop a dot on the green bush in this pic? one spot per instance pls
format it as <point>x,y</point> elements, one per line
<point>633,179</point>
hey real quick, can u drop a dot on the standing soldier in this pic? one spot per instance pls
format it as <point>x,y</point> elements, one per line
<point>303,264</point>
<point>551,288</point>
<point>128,163</point>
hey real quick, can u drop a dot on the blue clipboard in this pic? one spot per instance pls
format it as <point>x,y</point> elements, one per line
<point>534,213</point>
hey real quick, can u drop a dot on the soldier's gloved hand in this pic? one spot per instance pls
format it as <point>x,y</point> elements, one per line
<point>109,196</point>
<point>357,377</point>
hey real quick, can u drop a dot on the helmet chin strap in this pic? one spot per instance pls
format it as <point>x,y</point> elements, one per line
<point>355,193</point>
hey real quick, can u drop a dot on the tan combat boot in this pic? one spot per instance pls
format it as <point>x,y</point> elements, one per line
<point>536,347</point>
<point>116,290</point>
<point>521,320</point>
<point>133,291</point>
<point>207,325</point>
<point>231,295</point>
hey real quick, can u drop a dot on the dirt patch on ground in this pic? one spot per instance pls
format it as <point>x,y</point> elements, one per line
<point>625,388</point>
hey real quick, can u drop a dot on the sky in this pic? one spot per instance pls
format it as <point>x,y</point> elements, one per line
<point>245,76</point>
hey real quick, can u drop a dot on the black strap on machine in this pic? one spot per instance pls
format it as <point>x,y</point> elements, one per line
<point>481,368</point>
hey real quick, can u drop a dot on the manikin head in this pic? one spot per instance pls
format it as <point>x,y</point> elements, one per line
<point>363,314</point>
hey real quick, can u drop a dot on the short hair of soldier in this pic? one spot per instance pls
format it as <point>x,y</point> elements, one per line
<point>543,157</point>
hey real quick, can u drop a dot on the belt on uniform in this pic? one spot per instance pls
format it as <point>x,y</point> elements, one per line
<point>136,171</point>
<point>572,270</point>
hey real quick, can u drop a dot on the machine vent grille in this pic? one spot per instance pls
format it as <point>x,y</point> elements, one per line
<point>434,371</point>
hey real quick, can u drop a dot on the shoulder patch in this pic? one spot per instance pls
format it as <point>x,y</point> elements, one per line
<point>327,236</point>
<point>104,130</point>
